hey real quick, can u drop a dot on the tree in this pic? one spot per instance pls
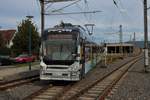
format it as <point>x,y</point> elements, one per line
<point>21,39</point>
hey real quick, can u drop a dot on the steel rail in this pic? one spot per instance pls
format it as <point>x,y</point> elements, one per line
<point>14,83</point>
<point>105,93</point>
<point>73,97</point>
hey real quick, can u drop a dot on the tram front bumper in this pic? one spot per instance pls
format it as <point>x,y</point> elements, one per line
<point>59,75</point>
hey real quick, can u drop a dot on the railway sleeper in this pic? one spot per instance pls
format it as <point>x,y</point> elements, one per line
<point>49,90</point>
<point>93,95</point>
<point>94,91</point>
<point>49,93</point>
<point>99,86</point>
<point>38,99</point>
<point>44,97</point>
<point>97,89</point>
<point>85,98</point>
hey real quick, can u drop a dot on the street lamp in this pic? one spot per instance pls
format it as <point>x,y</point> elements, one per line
<point>29,18</point>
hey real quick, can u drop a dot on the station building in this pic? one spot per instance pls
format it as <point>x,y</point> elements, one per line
<point>119,48</point>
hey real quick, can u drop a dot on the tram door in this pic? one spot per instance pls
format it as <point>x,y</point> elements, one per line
<point>83,58</point>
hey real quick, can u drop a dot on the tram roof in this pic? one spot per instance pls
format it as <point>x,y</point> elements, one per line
<point>118,44</point>
<point>68,27</point>
<point>65,27</point>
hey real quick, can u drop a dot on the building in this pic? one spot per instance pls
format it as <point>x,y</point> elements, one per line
<point>8,36</point>
<point>118,48</point>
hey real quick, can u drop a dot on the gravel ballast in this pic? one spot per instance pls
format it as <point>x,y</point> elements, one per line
<point>135,86</point>
<point>19,93</point>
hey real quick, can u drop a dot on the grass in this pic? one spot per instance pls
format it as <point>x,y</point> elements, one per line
<point>111,59</point>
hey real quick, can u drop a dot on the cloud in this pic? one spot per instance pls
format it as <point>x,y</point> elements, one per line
<point>129,14</point>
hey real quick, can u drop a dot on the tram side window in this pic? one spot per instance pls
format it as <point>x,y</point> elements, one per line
<point>87,53</point>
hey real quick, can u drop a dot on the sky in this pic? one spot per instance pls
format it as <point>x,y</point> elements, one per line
<point>128,13</point>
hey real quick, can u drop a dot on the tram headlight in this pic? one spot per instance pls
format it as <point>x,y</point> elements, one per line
<point>74,67</point>
<point>43,65</point>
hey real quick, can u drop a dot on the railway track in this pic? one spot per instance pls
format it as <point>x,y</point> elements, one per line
<point>101,88</point>
<point>14,83</point>
<point>96,91</point>
<point>50,92</point>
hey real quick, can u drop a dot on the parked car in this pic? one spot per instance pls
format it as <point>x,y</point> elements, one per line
<point>5,60</point>
<point>24,58</point>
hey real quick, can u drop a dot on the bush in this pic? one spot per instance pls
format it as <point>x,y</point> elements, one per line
<point>5,51</point>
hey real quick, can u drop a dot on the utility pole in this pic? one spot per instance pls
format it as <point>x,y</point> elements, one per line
<point>134,38</point>
<point>43,3</point>
<point>146,62</point>
<point>42,24</point>
<point>133,41</point>
<point>29,18</point>
<point>130,38</point>
<point>120,37</point>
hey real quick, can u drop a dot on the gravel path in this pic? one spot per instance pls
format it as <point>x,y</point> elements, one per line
<point>135,86</point>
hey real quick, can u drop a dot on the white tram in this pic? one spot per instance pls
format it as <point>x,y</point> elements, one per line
<point>67,53</point>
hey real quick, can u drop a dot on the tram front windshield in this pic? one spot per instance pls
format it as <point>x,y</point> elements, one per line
<point>60,49</point>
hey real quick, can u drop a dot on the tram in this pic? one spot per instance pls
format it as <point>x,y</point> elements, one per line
<point>68,53</point>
